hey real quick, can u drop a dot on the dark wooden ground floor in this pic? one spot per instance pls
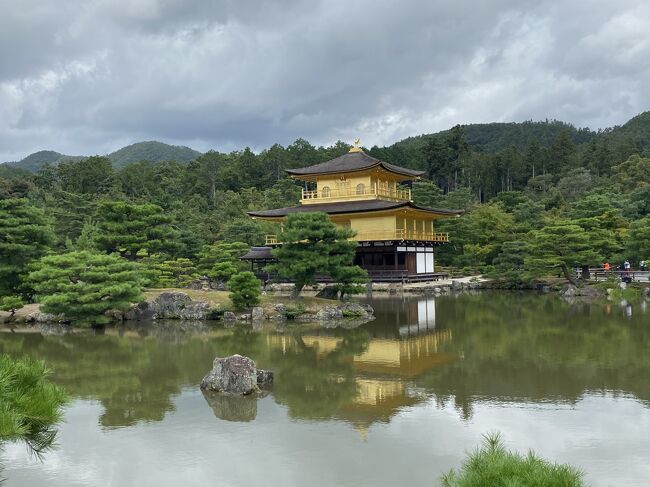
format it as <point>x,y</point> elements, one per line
<point>384,261</point>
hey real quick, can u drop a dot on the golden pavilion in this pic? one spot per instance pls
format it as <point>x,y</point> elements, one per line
<point>396,238</point>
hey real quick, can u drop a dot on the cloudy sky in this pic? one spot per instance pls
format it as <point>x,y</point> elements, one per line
<point>89,76</point>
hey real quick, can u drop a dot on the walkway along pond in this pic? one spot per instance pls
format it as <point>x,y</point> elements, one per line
<point>397,400</point>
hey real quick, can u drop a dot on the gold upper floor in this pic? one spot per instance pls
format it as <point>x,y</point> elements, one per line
<point>367,185</point>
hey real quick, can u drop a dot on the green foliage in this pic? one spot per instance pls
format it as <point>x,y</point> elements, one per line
<point>292,311</point>
<point>244,230</point>
<point>134,231</point>
<point>222,271</point>
<point>509,265</point>
<point>314,245</point>
<point>561,244</point>
<point>25,235</point>
<point>639,241</point>
<point>218,260</point>
<point>175,273</point>
<point>495,466</point>
<point>93,175</point>
<point>633,173</point>
<point>244,290</point>
<point>84,285</point>
<point>30,406</point>
<point>11,303</point>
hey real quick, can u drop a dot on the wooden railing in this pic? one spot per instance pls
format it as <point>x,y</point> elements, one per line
<point>399,234</point>
<point>354,194</point>
<point>402,234</point>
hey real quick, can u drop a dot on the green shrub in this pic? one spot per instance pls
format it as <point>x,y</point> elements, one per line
<point>11,303</point>
<point>352,313</point>
<point>222,271</point>
<point>244,290</point>
<point>492,465</point>
<point>175,273</point>
<point>291,311</point>
<point>30,405</point>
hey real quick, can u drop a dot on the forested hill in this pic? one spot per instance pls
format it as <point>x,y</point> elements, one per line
<point>35,161</point>
<point>416,152</point>
<point>142,151</point>
<point>152,151</point>
<point>493,137</point>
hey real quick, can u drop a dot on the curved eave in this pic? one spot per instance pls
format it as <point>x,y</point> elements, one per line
<point>314,175</point>
<point>350,209</point>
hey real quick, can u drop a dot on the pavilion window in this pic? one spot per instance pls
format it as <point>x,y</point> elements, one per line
<point>325,192</point>
<point>361,188</point>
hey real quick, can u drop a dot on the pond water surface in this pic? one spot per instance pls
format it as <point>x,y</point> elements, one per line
<point>397,401</point>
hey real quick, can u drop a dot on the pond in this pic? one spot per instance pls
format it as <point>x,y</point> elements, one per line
<point>399,400</point>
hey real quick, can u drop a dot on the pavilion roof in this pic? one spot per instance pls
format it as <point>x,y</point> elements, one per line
<point>258,253</point>
<point>351,162</point>
<point>350,207</point>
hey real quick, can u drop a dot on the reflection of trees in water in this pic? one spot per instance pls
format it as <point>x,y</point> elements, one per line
<point>317,385</point>
<point>515,347</point>
<point>519,347</point>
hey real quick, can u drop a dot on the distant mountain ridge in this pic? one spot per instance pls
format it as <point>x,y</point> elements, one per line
<point>487,137</point>
<point>141,151</point>
<point>152,151</point>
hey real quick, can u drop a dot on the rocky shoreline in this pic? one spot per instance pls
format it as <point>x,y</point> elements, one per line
<point>179,305</point>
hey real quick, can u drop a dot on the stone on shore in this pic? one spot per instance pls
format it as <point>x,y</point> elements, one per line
<point>329,313</point>
<point>257,313</point>
<point>171,305</point>
<point>39,317</point>
<point>235,374</point>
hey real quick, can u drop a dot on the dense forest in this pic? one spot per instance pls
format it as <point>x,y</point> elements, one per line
<point>538,196</point>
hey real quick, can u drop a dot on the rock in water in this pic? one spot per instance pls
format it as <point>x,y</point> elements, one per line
<point>329,312</point>
<point>235,374</point>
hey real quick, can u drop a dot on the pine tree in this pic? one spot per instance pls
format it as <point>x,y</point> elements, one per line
<point>562,244</point>
<point>84,285</point>
<point>314,245</point>
<point>30,405</point>
<point>25,235</point>
<point>135,231</point>
<point>175,273</point>
<point>639,239</point>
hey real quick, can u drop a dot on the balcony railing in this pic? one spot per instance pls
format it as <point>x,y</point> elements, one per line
<point>398,234</point>
<point>402,234</point>
<point>316,196</point>
<point>271,240</point>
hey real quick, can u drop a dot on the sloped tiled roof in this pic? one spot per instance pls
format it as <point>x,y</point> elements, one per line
<point>351,162</point>
<point>258,253</point>
<point>349,207</point>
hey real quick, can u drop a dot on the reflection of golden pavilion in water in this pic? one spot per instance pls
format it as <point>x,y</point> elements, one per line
<point>385,369</point>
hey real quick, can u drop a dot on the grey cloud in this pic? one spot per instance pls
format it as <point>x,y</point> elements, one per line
<point>87,77</point>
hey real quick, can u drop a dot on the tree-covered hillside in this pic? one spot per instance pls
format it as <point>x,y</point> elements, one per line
<point>142,151</point>
<point>35,161</point>
<point>152,151</point>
